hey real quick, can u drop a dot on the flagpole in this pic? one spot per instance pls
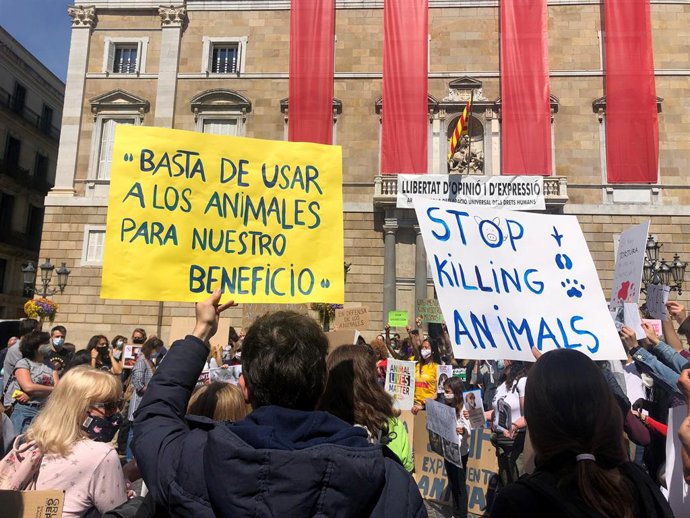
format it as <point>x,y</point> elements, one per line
<point>469,130</point>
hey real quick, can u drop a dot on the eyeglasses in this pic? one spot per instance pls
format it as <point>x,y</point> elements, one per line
<point>110,406</point>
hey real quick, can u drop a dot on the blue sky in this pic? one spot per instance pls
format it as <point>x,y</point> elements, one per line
<point>42,27</point>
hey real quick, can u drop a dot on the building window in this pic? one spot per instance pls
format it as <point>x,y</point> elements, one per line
<point>46,119</point>
<point>224,58</point>
<point>223,55</point>
<point>469,152</point>
<point>41,166</point>
<point>6,211</point>
<point>107,139</point>
<point>109,109</point>
<point>19,98</point>
<point>221,112</point>
<point>12,151</point>
<point>221,126</point>
<point>35,226</point>
<point>125,55</point>
<point>92,250</point>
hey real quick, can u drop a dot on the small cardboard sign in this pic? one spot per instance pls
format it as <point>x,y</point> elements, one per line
<point>429,310</point>
<point>397,318</point>
<point>31,504</point>
<point>343,337</point>
<point>351,318</point>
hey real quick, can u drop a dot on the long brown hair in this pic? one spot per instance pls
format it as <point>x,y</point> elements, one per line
<point>352,391</point>
<point>570,410</point>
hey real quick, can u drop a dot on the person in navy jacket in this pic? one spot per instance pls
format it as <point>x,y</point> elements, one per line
<point>285,458</point>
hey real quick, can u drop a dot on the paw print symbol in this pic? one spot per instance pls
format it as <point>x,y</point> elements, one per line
<point>574,288</point>
<point>325,283</point>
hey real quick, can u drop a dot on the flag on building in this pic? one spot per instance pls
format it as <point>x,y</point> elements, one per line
<point>460,128</point>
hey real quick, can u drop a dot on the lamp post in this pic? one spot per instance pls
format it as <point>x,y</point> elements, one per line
<point>657,271</point>
<point>44,289</point>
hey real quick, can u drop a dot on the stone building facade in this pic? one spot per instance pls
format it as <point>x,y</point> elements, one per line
<point>222,67</point>
<point>30,111</point>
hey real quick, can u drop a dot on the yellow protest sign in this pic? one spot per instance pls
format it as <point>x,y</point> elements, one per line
<point>191,212</point>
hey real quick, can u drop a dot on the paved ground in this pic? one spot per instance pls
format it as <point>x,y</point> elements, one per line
<point>437,510</point>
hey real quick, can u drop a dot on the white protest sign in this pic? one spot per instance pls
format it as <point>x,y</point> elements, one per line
<point>400,382</point>
<point>633,320</point>
<point>657,297</point>
<point>678,491</point>
<point>513,192</point>
<point>441,423</point>
<point>627,277</point>
<point>511,280</point>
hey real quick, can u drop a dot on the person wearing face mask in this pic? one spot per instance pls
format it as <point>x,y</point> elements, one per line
<point>142,372</point>
<point>457,475</point>
<point>72,433</point>
<point>57,356</point>
<point>427,358</point>
<point>102,355</point>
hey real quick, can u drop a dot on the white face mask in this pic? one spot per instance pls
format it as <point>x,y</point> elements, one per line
<point>425,353</point>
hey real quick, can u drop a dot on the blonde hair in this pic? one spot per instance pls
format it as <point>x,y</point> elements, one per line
<point>219,401</point>
<point>58,426</point>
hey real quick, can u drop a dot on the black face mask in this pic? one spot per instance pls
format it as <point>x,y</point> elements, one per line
<point>138,340</point>
<point>102,429</point>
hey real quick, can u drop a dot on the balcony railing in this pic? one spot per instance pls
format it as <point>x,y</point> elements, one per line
<point>22,177</point>
<point>555,191</point>
<point>45,126</point>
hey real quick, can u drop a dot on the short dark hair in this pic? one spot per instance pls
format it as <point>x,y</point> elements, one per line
<point>284,361</point>
<point>26,326</point>
<point>62,329</point>
<point>31,342</point>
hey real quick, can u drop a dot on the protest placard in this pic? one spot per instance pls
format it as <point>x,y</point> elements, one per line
<point>441,422</point>
<point>351,318</point>
<point>397,318</point>
<point>228,374</point>
<point>657,297</point>
<point>341,337</point>
<point>443,372</point>
<point>655,324</point>
<point>130,355</point>
<point>633,320</point>
<point>400,378</point>
<point>431,476</point>
<point>513,192</point>
<point>499,297</point>
<point>678,490</point>
<point>473,404</point>
<point>182,326</point>
<point>251,312</point>
<point>627,276</point>
<point>190,212</point>
<point>429,310</point>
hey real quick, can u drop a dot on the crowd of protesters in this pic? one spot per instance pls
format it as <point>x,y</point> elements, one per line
<point>305,433</point>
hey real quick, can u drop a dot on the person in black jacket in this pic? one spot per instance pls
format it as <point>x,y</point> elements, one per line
<point>576,429</point>
<point>285,458</point>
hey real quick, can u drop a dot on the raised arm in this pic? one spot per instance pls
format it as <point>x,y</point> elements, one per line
<point>160,430</point>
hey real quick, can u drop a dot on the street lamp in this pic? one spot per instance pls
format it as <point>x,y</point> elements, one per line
<point>29,273</point>
<point>657,271</point>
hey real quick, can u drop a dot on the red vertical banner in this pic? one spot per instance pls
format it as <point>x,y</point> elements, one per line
<point>310,105</point>
<point>525,106</point>
<point>632,124</point>
<point>405,125</point>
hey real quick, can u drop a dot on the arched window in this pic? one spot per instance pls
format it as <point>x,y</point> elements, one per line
<point>221,112</point>
<point>469,153</point>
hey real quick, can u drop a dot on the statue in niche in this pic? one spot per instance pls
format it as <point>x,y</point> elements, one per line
<point>474,154</point>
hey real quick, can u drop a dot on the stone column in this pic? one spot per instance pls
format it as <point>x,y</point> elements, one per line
<point>420,270</point>
<point>83,22</point>
<point>173,23</point>
<point>390,229</point>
